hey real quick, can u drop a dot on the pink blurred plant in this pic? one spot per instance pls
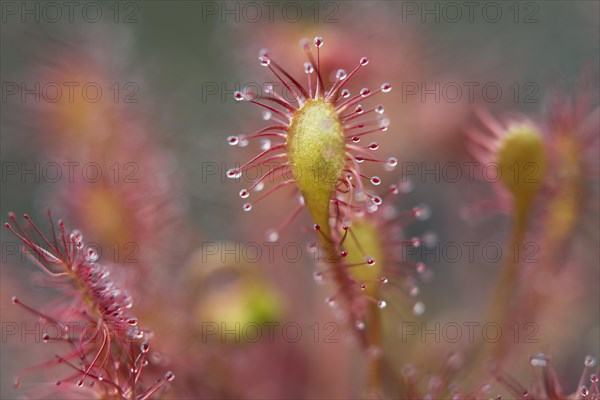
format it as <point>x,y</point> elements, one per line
<point>108,350</point>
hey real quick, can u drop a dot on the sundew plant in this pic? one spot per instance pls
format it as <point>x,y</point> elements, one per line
<point>300,200</point>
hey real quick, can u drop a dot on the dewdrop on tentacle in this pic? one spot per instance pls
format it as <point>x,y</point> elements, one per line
<point>314,140</point>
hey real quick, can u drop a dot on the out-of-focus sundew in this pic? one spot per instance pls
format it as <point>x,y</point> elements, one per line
<point>231,295</point>
<point>122,183</point>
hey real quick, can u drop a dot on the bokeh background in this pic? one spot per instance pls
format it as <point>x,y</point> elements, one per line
<point>167,71</point>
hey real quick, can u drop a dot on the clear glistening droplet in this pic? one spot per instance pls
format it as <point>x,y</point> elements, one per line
<point>308,68</point>
<point>91,255</point>
<point>318,277</point>
<point>391,163</point>
<point>422,212</point>
<point>272,235</point>
<point>590,361</point>
<point>234,173</point>
<point>331,302</point>
<point>418,308</point>
<point>265,144</point>
<point>539,360</point>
